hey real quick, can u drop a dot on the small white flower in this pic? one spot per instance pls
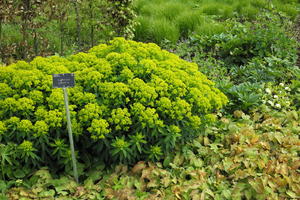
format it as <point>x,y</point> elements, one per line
<point>275,97</point>
<point>268,91</point>
<point>271,103</point>
<point>278,105</point>
<point>281,84</point>
<point>287,88</point>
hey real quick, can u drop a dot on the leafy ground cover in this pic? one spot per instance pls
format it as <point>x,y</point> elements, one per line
<point>252,151</point>
<point>253,156</point>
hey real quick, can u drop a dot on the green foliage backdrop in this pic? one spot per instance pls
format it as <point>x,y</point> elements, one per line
<point>30,28</point>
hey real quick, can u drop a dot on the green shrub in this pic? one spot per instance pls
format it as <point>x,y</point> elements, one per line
<point>131,101</point>
<point>258,52</point>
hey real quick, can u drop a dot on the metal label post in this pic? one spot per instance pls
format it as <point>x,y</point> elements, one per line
<point>70,134</point>
<point>64,81</point>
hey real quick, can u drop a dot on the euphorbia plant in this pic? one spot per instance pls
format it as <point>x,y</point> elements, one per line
<point>131,101</point>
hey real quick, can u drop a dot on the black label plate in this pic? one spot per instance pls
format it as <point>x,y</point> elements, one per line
<point>63,80</point>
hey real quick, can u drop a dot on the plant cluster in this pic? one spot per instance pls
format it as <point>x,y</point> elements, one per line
<point>131,101</point>
<point>278,96</point>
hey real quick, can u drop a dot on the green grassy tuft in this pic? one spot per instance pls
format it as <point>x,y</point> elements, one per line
<point>188,21</point>
<point>186,16</point>
<point>161,29</point>
<point>210,28</point>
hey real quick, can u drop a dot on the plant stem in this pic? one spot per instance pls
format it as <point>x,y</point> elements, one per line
<point>26,5</point>
<point>78,28</point>
<point>0,31</point>
<point>35,43</point>
<point>61,27</point>
<point>92,22</point>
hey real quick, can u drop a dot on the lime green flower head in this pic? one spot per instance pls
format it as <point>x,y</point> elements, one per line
<point>113,92</point>
<point>12,122</point>
<point>89,112</point>
<point>40,113</point>
<point>54,118</point>
<point>120,60</point>
<point>37,96</point>
<point>160,85</point>
<point>3,128</point>
<point>175,129</point>
<point>9,105</point>
<point>195,121</point>
<point>40,128</point>
<point>25,106</point>
<point>99,129</point>
<point>164,105</point>
<point>56,99</point>
<point>150,118</point>
<point>210,118</point>
<point>25,126</point>
<point>5,91</point>
<point>26,146</point>
<point>142,92</point>
<point>196,97</point>
<point>121,119</point>
<point>126,75</point>
<point>181,108</point>
<point>120,143</point>
<point>155,152</point>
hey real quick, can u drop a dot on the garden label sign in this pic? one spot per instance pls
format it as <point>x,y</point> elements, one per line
<point>64,81</point>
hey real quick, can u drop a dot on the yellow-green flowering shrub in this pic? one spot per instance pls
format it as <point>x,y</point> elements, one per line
<point>131,101</point>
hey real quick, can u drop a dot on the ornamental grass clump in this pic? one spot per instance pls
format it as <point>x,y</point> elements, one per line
<point>131,101</point>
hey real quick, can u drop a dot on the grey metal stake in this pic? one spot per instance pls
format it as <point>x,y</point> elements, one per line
<point>70,135</point>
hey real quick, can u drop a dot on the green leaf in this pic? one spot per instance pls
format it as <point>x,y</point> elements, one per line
<point>19,173</point>
<point>291,194</point>
<point>3,186</point>
<point>3,197</point>
<point>49,193</point>
<point>226,194</point>
<point>167,161</point>
<point>209,192</point>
